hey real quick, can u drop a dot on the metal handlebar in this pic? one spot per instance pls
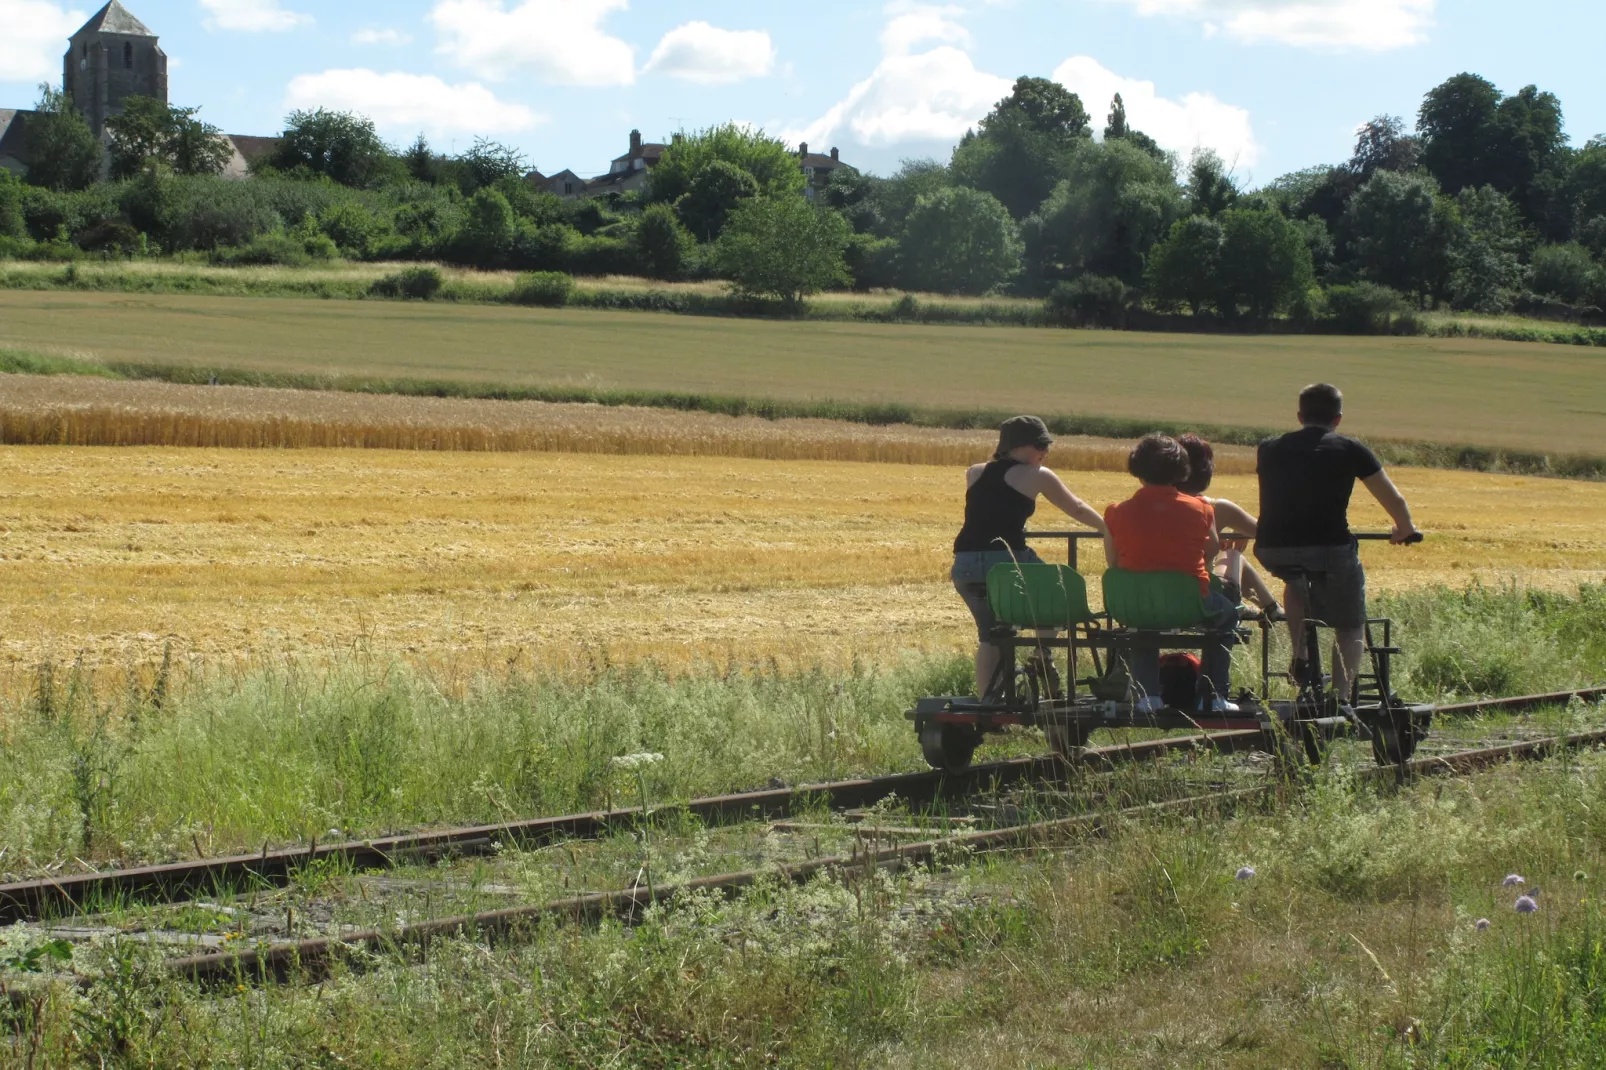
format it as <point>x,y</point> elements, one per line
<point>1073,537</point>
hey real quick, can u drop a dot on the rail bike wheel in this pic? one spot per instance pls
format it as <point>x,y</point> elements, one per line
<point>948,747</point>
<point>1067,741</point>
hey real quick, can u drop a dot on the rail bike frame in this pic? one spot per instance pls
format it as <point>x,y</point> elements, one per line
<point>1028,693</point>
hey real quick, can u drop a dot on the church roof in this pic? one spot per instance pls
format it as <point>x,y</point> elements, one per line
<point>115,18</point>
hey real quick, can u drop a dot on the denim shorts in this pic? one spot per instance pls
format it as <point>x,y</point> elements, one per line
<point>1332,576</point>
<point>970,580</point>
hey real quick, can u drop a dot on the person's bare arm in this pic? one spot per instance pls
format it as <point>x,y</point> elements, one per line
<point>1393,502</point>
<point>1054,489</point>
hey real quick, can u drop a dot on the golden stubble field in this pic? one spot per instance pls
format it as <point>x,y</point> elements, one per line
<point>562,559</point>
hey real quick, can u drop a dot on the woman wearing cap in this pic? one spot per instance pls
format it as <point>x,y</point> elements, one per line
<point>1001,496</point>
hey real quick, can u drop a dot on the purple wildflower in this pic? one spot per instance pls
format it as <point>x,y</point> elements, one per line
<point>1526,904</point>
<point>1512,880</point>
<point>1481,924</point>
<point>1246,873</point>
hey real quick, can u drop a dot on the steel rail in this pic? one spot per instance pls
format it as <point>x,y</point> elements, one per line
<point>34,900</point>
<point>312,959</point>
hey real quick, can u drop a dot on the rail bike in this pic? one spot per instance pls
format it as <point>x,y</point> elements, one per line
<point>1155,611</point>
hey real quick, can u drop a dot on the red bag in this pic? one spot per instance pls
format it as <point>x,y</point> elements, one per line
<point>1179,679</point>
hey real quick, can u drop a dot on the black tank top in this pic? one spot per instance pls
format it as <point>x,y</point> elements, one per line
<point>995,512</point>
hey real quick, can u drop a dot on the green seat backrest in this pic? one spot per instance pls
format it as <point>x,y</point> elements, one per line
<point>1037,596</point>
<point>1153,601</point>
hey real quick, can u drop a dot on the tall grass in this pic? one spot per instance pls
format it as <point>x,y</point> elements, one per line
<point>152,766</point>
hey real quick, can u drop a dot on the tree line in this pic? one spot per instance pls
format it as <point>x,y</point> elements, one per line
<point>1484,208</point>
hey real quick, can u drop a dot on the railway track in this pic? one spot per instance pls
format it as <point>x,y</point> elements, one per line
<point>32,900</point>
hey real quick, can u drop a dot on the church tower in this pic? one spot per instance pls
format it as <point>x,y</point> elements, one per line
<point>113,57</point>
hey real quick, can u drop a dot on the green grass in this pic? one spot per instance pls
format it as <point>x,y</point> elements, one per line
<point>1490,404</point>
<point>100,768</point>
<point>1354,945</point>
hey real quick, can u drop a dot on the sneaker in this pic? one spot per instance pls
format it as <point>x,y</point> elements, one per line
<point>1149,705</point>
<point>1274,614</point>
<point>1220,705</point>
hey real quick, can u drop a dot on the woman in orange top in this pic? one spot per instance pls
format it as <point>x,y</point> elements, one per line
<point>1161,529</point>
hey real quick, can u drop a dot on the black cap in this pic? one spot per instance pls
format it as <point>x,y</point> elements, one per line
<point>1020,431</point>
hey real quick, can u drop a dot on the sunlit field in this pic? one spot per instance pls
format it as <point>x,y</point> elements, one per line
<point>553,560</point>
<point>1463,391</point>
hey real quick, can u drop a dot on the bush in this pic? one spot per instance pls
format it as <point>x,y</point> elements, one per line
<point>548,289</point>
<point>1569,273</point>
<point>280,247</point>
<point>414,283</point>
<point>1088,301</point>
<point>216,213</point>
<point>662,244</point>
<point>1365,308</point>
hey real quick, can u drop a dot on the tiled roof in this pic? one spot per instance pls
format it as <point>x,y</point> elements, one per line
<point>115,18</point>
<point>649,151</point>
<point>252,147</point>
<point>820,159</point>
<point>11,130</point>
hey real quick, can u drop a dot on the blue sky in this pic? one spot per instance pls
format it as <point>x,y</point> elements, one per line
<point>1274,85</point>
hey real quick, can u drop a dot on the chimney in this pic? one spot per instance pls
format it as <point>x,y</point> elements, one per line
<point>834,155</point>
<point>635,142</point>
<point>803,149</point>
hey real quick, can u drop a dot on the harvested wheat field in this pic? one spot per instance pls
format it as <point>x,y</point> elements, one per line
<point>561,559</point>
<point>79,411</point>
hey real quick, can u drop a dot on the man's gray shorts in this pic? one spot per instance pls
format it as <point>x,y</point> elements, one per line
<point>1332,575</point>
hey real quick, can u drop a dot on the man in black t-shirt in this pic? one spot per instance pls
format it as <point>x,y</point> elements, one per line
<point>1303,537</point>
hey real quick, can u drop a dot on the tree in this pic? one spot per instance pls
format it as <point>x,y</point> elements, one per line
<point>149,130</point>
<point>421,161</point>
<point>342,145</point>
<point>1265,264</point>
<point>1020,151</point>
<point>1400,233</point>
<point>1472,136</point>
<point>1117,202</point>
<point>1383,145</point>
<point>1454,122</point>
<point>662,244</point>
<point>486,163</point>
<point>1115,126</point>
<point>1486,251</point>
<point>489,228</point>
<point>783,247</point>
<point>1586,184</point>
<point>773,167</point>
<point>854,194</point>
<point>11,221</point>
<point>897,196</point>
<point>1211,189</point>
<point>959,241</point>
<point>1566,272</point>
<point>714,192</point>
<point>1185,267</point>
<point>63,153</point>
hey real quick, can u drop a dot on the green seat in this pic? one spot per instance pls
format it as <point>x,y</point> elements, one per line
<point>1037,596</point>
<point>1153,601</point>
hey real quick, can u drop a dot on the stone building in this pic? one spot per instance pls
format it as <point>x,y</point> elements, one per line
<point>114,56</point>
<point>629,172</point>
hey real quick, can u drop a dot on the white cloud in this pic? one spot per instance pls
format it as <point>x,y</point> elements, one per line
<point>252,16</point>
<point>709,55</point>
<point>1197,120</point>
<point>918,24</point>
<point>406,103</point>
<point>1368,25</point>
<point>560,41</point>
<point>936,95</point>
<point>381,37</point>
<point>35,38</point>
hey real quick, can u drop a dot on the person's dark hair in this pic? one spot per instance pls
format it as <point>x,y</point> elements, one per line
<point>1320,404</point>
<point>1158,460</point>
<point>1201,464</point>
<point>1018,431</point>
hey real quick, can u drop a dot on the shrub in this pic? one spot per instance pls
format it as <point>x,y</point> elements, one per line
<point>662,244</point>
<point>549,289</point>
<point>1364,308</point>
<point>958,241</point>
<point>414,283</point>
<point>215,213</point>
<point>1568,272</point>
<point>1088,301</point>
<point>783,247</point>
